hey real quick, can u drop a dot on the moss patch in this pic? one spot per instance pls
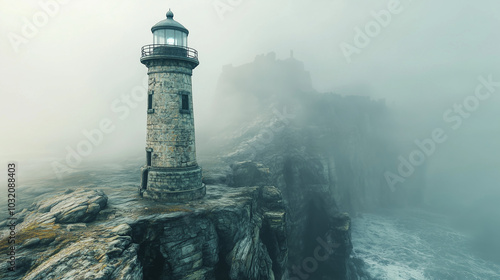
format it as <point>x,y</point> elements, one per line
<point>45,232</point>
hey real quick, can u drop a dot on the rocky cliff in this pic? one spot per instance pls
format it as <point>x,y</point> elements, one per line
<point>81,234</point>
<point>327,153</point>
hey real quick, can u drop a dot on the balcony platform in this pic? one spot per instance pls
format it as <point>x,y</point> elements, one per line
<point>164,51</point>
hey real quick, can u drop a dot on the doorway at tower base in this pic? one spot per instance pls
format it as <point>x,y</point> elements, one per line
<point>173,184</point>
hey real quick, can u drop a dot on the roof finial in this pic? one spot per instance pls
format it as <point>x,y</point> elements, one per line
<point>170,14</point>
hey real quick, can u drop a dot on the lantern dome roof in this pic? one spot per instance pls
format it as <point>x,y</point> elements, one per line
<point>169,23</point>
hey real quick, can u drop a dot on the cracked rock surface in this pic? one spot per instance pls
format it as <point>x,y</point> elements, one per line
<point>83,234</point>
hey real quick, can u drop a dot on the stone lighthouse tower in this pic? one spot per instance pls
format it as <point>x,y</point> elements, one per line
<point>171,172</point>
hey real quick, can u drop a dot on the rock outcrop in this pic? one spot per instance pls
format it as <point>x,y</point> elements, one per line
<point>231,234</point>
<point>80,206</point>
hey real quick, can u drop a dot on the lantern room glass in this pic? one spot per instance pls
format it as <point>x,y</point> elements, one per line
<point>170,37</point>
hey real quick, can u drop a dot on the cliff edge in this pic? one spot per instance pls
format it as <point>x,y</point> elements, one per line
<point>83,234</point>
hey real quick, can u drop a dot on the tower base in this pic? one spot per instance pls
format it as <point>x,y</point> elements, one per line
<point>172,185</point>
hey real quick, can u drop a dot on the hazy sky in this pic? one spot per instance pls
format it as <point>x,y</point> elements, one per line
<point>65,66</point>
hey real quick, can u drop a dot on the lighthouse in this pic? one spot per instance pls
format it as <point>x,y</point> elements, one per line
<point>171,173</point>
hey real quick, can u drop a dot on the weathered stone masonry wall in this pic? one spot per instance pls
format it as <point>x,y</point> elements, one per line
<point>175,185</point>
<point>171,133</point>
<point>174,180</point>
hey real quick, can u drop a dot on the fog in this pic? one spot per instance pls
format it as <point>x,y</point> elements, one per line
<point>79,65</point>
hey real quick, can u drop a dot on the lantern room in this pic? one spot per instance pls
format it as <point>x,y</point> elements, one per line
<point>170,32</point>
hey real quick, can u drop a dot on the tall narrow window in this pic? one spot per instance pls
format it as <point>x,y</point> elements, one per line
<point>185,102</point>
<point>148,158</point>
<point>150,102</point>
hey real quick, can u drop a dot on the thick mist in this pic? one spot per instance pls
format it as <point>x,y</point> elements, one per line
<point>70,72</point>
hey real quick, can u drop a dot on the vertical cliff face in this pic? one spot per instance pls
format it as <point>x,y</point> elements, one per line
<point>313,217</point>
<point>234,234</point>
<point>326,153</point>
